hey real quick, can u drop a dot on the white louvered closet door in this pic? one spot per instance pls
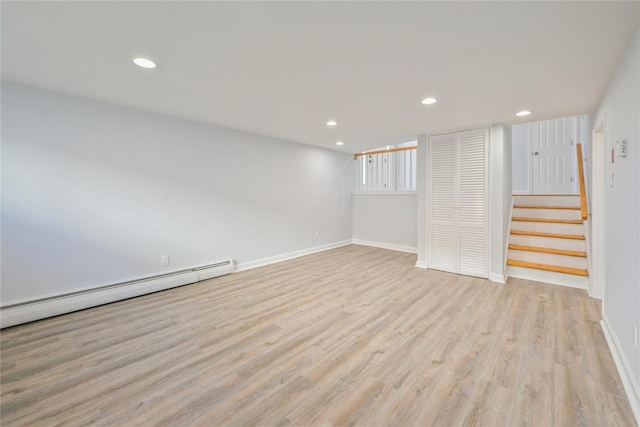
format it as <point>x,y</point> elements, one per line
<point>441,212</point>
<point>458,203</point>
<point>473,203</point>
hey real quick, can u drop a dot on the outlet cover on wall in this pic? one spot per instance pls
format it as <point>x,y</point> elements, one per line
<point>164,260</point>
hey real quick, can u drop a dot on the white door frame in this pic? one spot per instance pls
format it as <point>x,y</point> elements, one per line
<point>598,223</point>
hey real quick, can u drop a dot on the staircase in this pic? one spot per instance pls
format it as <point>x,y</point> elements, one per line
<point>547,241</point>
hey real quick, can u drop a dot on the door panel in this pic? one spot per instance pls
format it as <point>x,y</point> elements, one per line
<point>441,210</point>
<point>472,203</point>
<point>552,156</point>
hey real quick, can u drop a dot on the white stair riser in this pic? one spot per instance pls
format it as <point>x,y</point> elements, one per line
<point>548,277</point>
<point>548,242</point>
<point>548,227</point>
<point>547,213</point>
<point>550,259</point>
<point>547,201</point>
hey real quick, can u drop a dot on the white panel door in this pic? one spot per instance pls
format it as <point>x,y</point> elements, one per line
<point>458,203</point>
<point>552,156</point>
<point>473,203</point>
<point>441,213</point>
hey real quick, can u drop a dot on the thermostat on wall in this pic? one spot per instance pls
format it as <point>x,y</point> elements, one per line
<point>622,148</point>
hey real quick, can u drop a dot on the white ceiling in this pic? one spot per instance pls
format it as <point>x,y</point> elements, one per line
<point>284,68</point>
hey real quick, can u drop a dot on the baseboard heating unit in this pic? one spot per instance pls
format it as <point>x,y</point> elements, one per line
<point>30,310</point>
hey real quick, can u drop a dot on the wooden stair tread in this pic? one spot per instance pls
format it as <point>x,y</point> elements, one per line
<point>542,234</point>
<point>548,267</point>
<point>555,221</point>
<point>547,250</point>
<point>573,208</point>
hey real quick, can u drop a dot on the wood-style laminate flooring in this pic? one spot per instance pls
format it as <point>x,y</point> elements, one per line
<point>354,335</point>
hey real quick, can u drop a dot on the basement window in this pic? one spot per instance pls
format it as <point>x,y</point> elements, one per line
<point>387,170</point>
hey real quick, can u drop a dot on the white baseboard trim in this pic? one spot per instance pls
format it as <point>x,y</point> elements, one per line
<point>384,193</point>
<point>422,264</point>
<point>291,255</point>
<point>624,369</point>
<point>498,278</point>
<point>389,246</point>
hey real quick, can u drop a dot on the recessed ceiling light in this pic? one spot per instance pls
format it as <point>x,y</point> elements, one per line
<point>429,101</point>
<point>144,63</point>
<point>332,123</point>
<point>339,143</point>
<point>523,113</point>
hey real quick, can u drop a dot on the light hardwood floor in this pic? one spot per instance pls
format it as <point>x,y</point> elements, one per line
<point>354,335</point>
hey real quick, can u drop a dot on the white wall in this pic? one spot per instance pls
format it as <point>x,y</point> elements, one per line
<point>621,303</point>
<point>520,159</point>
<point>499,200</point>
<point>585,127</point>
<point>386,220</point>
<point>94,194</point>
<point>421,211</point>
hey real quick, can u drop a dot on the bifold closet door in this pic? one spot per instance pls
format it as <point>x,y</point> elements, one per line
<point>441,203</point>
<point>473,203</point>
<point>458,203</point>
